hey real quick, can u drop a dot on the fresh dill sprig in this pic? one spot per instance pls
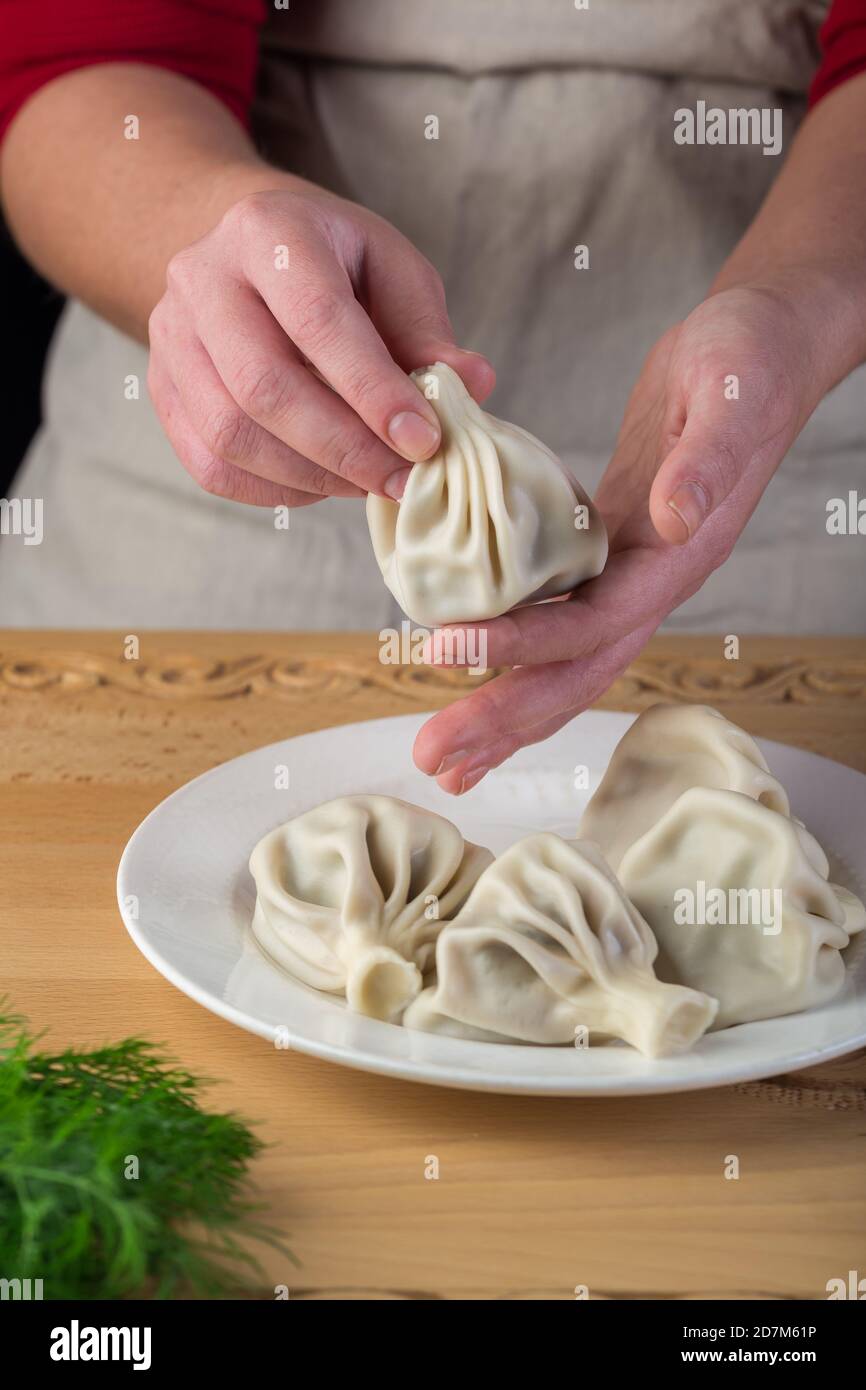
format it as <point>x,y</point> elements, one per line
<point>114,1181</point>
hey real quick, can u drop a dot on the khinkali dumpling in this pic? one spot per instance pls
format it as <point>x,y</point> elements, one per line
<point>494,519</point>
<point>668,749</point>
<point>716,857</point>
<point>548,943</point>
<point>352,895</point>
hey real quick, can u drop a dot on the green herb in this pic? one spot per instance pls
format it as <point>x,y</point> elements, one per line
<point>74,1126</point>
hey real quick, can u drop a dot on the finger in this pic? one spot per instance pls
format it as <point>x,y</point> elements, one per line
<point>232,435</point>
<point>406,300</point>
<point>476,372</point>
<point>266,378</point>
<point>722,441</point>
<point>463,777</point>
<point>503,714</point>
<point>636,584</point>
<point>314,302</point>
<point>213,474</point>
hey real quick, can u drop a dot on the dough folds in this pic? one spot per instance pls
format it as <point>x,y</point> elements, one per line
<point>667,750</point>
<point>548,944</point>
<point>493,520</point>
<point>735,889</point>
<point>739,900</point>
<point>352,895</point>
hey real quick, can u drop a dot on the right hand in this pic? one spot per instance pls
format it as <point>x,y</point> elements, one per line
<point>285,386</point>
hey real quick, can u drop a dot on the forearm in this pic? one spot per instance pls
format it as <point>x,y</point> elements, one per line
<point>808,241</point>
<point>101,215</point>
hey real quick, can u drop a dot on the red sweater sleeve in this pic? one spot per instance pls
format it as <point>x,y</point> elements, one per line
<point>843,47</point>
<point>213,42</point>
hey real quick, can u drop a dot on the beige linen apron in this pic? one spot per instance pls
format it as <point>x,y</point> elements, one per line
<point>555,128</point>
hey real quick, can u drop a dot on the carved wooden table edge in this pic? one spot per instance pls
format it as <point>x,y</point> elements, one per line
<point>678,673</point>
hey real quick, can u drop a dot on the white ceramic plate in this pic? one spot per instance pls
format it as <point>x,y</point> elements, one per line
<point>186,898</point>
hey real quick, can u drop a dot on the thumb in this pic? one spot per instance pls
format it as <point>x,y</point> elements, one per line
<point>704,466</point>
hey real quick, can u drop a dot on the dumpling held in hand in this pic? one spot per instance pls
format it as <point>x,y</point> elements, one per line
<point>548,943</point>
<point>352,895</point>
<point>493,520</point>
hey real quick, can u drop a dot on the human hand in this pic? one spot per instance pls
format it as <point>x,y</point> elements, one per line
<point>689,468</point>
<point>288,385</point>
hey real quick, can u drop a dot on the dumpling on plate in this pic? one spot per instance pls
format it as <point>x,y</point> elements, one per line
<point>352,895</point>
<point>738,898</point>
<point>668,749</point>
<point>548,944</point>
<point>493,520</point>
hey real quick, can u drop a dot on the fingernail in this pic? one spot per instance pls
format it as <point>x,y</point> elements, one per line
<point>452,760</point>
<point>395,486</point>
<point>691,505</point>
<point>471,778</point>
<point>413,436</point>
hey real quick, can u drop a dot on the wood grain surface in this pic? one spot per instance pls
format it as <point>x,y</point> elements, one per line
<point>534,1197</point>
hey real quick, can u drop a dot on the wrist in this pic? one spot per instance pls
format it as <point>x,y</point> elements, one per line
<point>216,185</point>
<point>822,317</point>
<point>224,184</point>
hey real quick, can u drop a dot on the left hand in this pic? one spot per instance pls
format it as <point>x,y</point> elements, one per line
<point>689,468</point>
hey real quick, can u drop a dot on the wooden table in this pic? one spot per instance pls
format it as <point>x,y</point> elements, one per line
<point>534,1196</point>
